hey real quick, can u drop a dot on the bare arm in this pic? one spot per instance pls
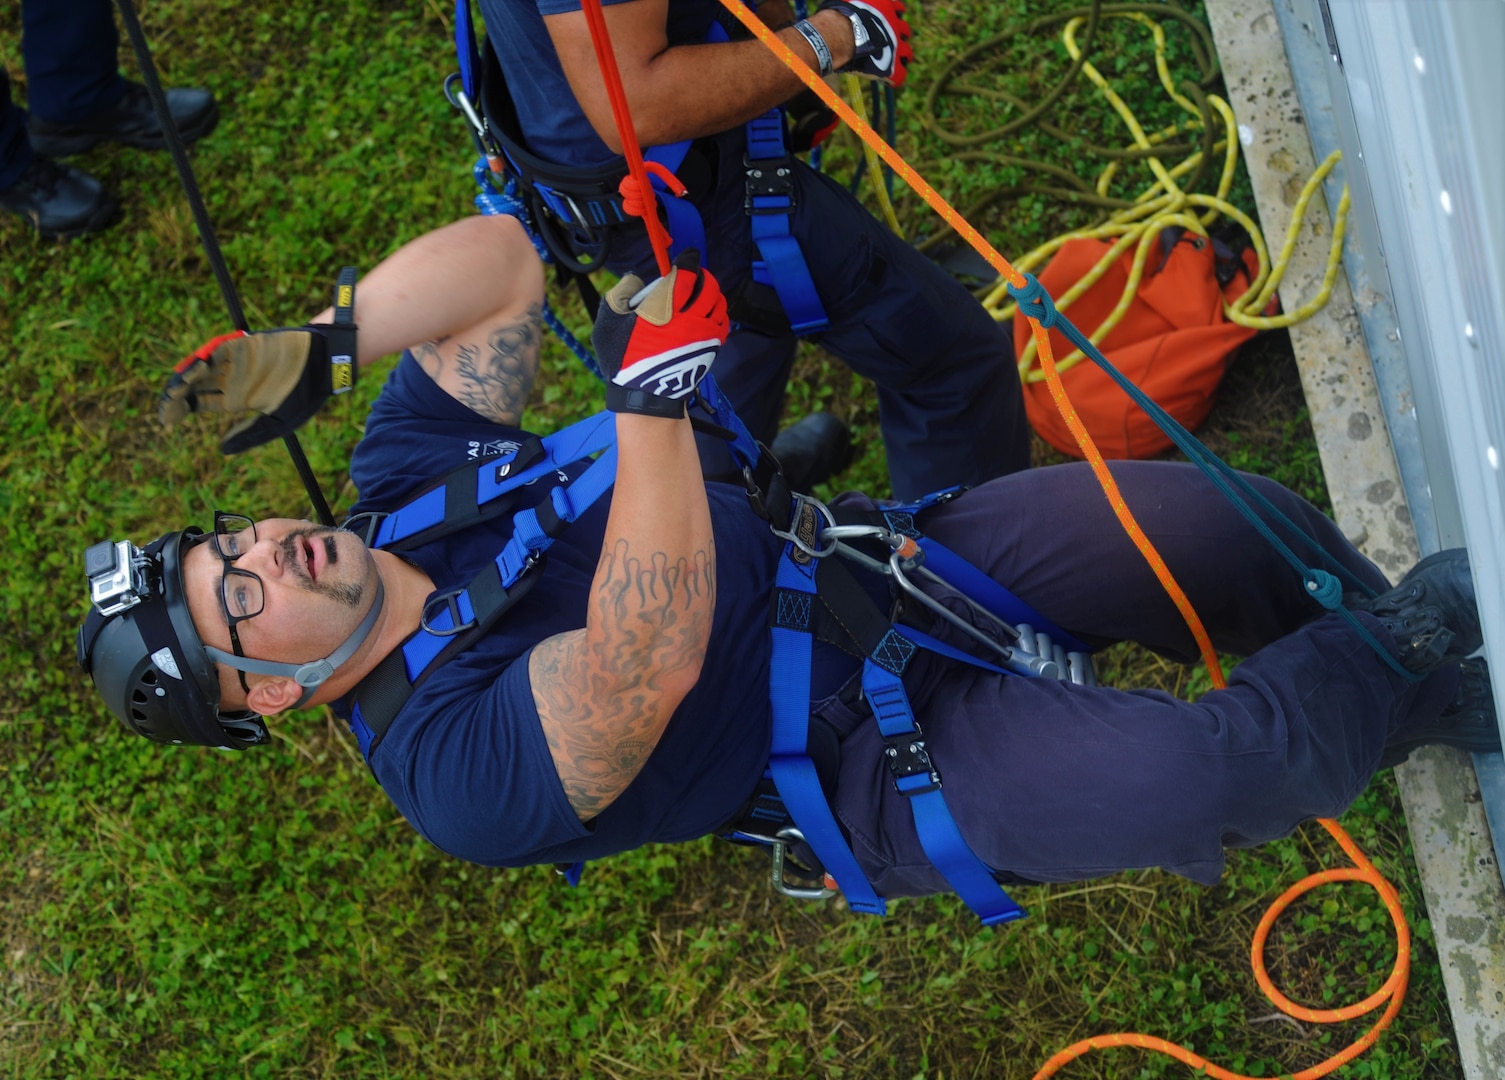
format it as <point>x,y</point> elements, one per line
<point>666,85</point>
<point>605,693</point>
<point>467,298</point>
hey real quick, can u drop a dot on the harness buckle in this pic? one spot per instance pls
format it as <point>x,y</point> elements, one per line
<point>447,601</point>
<point>768,178</point>
<point>909,763</point>
<point>781,883</point>
<point>754,493</point>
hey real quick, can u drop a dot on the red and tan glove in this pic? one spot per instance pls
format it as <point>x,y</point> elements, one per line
<point>282,377</point>
<point>279,377</point>
<point>655,343</point>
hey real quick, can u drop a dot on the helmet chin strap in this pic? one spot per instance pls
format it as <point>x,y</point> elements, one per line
<point>313,674</point>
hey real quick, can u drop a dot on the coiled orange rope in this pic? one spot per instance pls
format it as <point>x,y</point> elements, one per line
<point>1394,988</point>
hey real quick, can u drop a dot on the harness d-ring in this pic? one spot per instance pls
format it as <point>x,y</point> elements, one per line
<point>805,529</point>
<point>440,604</point>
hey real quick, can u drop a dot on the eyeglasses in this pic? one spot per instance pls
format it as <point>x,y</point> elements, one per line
<point>241,595</point>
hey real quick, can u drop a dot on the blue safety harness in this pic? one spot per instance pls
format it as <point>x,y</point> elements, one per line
<point>837,609</point>
<point>574,210</point>
<point>478,491</point>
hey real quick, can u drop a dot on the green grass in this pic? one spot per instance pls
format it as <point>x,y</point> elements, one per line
<point>184,913</point>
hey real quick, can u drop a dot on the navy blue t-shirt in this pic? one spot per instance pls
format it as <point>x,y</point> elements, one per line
<point>465,760</point>
<point>553,124</point>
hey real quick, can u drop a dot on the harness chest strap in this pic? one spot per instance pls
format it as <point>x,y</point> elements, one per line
<point>483,490</point>
<point>454,619</point>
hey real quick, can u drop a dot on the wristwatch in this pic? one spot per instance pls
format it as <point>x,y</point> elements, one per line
<point>806,29</point>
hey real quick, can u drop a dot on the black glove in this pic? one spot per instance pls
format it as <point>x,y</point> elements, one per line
<point>881,36</point>
<point>655,344</point>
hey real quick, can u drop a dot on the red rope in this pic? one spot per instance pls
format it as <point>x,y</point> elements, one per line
<point>646,203</point>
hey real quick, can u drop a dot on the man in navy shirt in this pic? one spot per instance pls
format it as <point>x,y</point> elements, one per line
<point>624,700</point>
<point>950,403</point>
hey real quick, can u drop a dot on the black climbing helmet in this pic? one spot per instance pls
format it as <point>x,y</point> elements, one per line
<point>140,647</point>
<point>143,652</point>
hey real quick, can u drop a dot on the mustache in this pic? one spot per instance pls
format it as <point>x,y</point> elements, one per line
<point>349,594</point>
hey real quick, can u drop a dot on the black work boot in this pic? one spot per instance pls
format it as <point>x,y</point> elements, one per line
<point>813,450</point>
<point>59,201</point>
<point>1432,613</point>
<point>1469,723</point>
<point>131,121</point>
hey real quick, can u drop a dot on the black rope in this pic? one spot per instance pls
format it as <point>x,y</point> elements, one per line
<point>206,231</point>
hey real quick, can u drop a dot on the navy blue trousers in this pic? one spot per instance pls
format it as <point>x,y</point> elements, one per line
<point>1057,782</point>
<point>72,72</point>
<point>949,399</point>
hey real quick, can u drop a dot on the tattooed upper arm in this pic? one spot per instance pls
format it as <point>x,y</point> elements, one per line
<point>492,377</point>
<point>605,694</point>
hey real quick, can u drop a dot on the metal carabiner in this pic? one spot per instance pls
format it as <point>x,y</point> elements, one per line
<point>461,101</point>
<point>786,836</point>
<point>1016,660</point>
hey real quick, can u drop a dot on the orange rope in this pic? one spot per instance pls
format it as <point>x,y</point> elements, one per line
<point>998,262</point>
<point>1394,988</point>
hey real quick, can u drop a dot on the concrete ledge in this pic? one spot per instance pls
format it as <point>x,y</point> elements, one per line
<point>1464,897</point>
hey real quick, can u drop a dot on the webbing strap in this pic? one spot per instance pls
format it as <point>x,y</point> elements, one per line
<point>793,771</point>
<point>457,500</point>
<point>782,266</point>
<point>769,204</point>
<point>916,778</point>
<point>686,229</point>
<point>742,445</point>
<point>465,48</point>
<point>797,611</point>
<point>974,584</point>
<point>957,571</point>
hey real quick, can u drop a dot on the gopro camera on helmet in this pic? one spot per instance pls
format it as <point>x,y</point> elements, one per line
<point>117,576</point>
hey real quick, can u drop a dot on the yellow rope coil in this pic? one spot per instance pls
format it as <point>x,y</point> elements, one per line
<point>1163,204</point>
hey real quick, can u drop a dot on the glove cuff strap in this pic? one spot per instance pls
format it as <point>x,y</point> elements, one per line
<point>342,335</point>
<point>630,400</point>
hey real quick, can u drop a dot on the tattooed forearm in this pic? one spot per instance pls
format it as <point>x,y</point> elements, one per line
<point>493,379</point>
<point>606,693</point>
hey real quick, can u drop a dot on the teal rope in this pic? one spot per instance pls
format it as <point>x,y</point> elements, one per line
<point>1322,585</point>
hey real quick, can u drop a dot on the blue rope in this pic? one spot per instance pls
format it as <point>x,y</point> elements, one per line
<point>1324,586</point>
<point>492,201</point>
